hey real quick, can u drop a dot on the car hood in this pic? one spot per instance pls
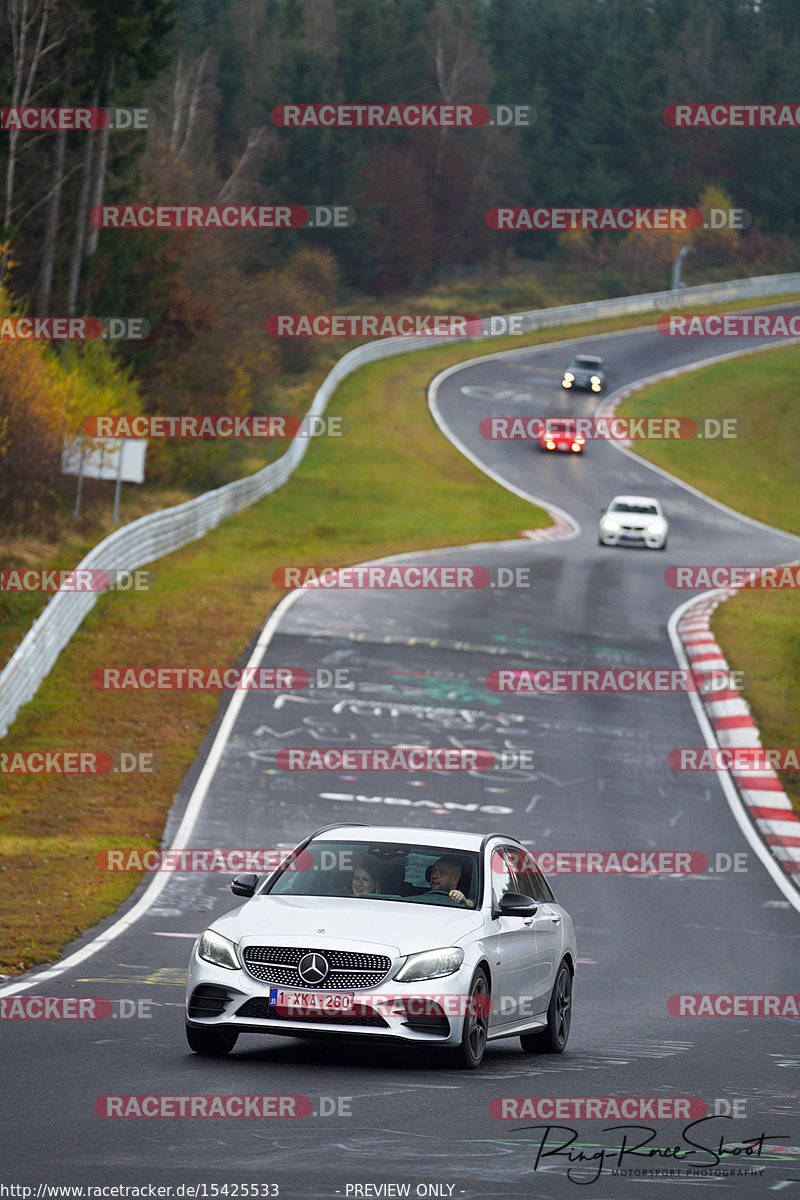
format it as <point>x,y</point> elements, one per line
<point>585,373</point>
<point>396,927</point>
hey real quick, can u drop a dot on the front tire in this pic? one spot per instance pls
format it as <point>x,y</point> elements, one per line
<point>468,1055</point>
<point>213,1042</point>
<point>553,1038</point>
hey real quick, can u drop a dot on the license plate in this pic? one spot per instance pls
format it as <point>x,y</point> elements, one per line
<point>321,1002</point>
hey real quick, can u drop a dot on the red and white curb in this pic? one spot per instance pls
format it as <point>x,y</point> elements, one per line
<point>562,527</point>
<point>731,720</point>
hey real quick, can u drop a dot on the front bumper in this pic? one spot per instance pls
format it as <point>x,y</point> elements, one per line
<point>581,385</point>
<point>633,537</point>
<point>218,997</point>
<point>570,447</point>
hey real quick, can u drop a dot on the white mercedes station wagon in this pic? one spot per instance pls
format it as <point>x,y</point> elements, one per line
<point>415,936</point>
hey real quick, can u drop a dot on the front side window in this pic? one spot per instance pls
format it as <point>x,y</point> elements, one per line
<point>503,878</point>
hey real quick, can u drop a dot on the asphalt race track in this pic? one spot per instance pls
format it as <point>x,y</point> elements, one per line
<point>417,664</point>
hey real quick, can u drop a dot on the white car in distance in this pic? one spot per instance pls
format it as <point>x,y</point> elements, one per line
<point>634,521</point>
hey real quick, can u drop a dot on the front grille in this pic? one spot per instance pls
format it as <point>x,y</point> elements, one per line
<point>263,1010</point>
<point>349,969</point>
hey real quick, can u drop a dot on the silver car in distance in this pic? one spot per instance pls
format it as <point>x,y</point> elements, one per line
<point>633,521</point>
<point>416,936</point>
<point>586,371</point>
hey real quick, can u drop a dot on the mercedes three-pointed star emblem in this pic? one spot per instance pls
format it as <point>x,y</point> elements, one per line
<point>313,969</point>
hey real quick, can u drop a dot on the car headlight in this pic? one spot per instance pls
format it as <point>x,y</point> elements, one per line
<point>656,528</point>
<point>610,524</point>
<point>568,377</point>
<point>596,379</point>
<point>550,445</point>
<point>216,949</point>
<point>430,964</point>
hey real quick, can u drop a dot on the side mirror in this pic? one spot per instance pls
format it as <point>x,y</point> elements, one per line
<point>513,904</point>
<point>244,885</point>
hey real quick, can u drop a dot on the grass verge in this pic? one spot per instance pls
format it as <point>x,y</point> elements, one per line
<point>756,473</point>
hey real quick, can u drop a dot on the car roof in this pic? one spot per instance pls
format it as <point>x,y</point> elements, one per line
<point>453,839</point>
<point>588,357</point>
<point>634,500</point>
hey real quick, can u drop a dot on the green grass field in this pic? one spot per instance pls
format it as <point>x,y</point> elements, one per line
<point>756,473</point>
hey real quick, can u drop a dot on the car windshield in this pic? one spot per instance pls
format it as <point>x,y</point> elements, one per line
<point>628,507</point>
<point>587,364</point>
<point>560,426</point>
<point>379,871</point>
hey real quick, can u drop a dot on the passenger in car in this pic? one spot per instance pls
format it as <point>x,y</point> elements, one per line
<point>445,876</point>
<point>364,883</point>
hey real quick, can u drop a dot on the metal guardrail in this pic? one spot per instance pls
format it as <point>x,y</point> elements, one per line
<point>160,533</point>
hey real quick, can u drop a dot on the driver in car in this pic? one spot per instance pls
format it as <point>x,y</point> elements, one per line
<point>445,875</point>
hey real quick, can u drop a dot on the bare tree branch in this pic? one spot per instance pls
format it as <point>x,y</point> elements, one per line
<point>258,141</point>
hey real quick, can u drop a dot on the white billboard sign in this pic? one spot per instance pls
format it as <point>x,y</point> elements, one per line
<point>105,458</point>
